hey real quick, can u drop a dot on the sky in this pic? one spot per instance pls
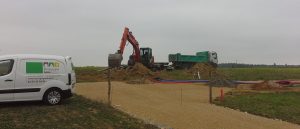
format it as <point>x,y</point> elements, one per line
<point>243,31</point>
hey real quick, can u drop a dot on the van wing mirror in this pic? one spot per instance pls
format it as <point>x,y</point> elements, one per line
<point>69,58</point>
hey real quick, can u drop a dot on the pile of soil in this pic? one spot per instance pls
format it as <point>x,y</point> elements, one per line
<point>209,72</point>
<point>137,74</point>
<point>139,69</point>
<point>268,85</point>
<point>204,70</point>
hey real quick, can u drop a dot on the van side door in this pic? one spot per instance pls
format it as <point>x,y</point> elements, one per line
<point>7,79</point>
<point>30,78</point>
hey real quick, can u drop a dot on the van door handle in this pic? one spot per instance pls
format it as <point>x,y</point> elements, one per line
<point>8,80</point>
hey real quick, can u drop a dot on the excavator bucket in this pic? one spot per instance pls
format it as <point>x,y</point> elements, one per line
<point>114,60</point>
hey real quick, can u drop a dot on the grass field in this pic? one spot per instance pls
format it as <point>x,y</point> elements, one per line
<point>74,113</point>
<point>89,74</point>
<point>93,74</point>
<point>284,106</point>
<point>246,74</point>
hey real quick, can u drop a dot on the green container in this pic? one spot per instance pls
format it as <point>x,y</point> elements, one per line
<point>200,57</point>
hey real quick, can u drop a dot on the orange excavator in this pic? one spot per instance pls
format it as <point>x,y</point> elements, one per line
<point>141,55</point>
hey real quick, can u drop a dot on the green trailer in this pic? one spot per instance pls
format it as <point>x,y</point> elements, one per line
<point>180,61</point>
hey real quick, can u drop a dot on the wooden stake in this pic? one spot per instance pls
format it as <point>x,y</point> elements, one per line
<point>109,86</point>
<point>181,95</point>
<point>210,88</point>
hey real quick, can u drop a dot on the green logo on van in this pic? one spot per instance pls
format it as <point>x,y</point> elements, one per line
<point>40,67</point>
<point>34,67</point>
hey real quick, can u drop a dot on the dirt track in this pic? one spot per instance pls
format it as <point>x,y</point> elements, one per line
<point>161,104</point>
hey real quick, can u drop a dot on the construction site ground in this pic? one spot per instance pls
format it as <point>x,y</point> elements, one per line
<point>178,106</point>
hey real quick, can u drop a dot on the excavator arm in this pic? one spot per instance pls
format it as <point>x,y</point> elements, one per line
<point>127,36</point>
<point>114,60</point>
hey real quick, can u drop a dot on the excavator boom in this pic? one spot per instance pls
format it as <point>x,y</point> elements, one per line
<point>127,36</point>
<point>114,60</point>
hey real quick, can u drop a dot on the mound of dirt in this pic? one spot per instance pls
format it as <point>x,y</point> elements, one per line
<point>202,71</point>
<point>267,85</point>
<point>208,72</point>
<point>139,69</point>
<point>137,74</point>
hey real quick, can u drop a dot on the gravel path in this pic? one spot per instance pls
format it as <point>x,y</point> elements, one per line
<point>161,104</point>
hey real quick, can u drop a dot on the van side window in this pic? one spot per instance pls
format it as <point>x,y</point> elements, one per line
<point>6,67</point>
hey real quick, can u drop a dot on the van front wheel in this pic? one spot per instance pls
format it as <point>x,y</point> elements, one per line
<point>52,97</point>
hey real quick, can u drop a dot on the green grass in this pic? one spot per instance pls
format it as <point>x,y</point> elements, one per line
<point>74,113</point>
<point>93,74</point>
<point>284,106</point>
<point>89,74</point>
<point>246,74</point>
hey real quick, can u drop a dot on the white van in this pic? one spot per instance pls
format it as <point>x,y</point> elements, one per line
<point>36,77</point>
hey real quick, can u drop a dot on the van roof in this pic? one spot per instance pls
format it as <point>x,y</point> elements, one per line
<point>33,56</point>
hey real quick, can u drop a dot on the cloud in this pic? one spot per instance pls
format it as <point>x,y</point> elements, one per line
<point>252,31</point>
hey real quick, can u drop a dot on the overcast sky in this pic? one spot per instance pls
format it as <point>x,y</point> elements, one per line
<point>246,31</point>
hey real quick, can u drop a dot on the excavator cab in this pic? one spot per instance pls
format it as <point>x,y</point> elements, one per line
<point>146,56</point>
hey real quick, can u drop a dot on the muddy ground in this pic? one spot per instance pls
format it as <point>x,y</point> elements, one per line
<point>163,105</point>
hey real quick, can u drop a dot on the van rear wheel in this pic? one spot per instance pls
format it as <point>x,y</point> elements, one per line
<point>53,97</point>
